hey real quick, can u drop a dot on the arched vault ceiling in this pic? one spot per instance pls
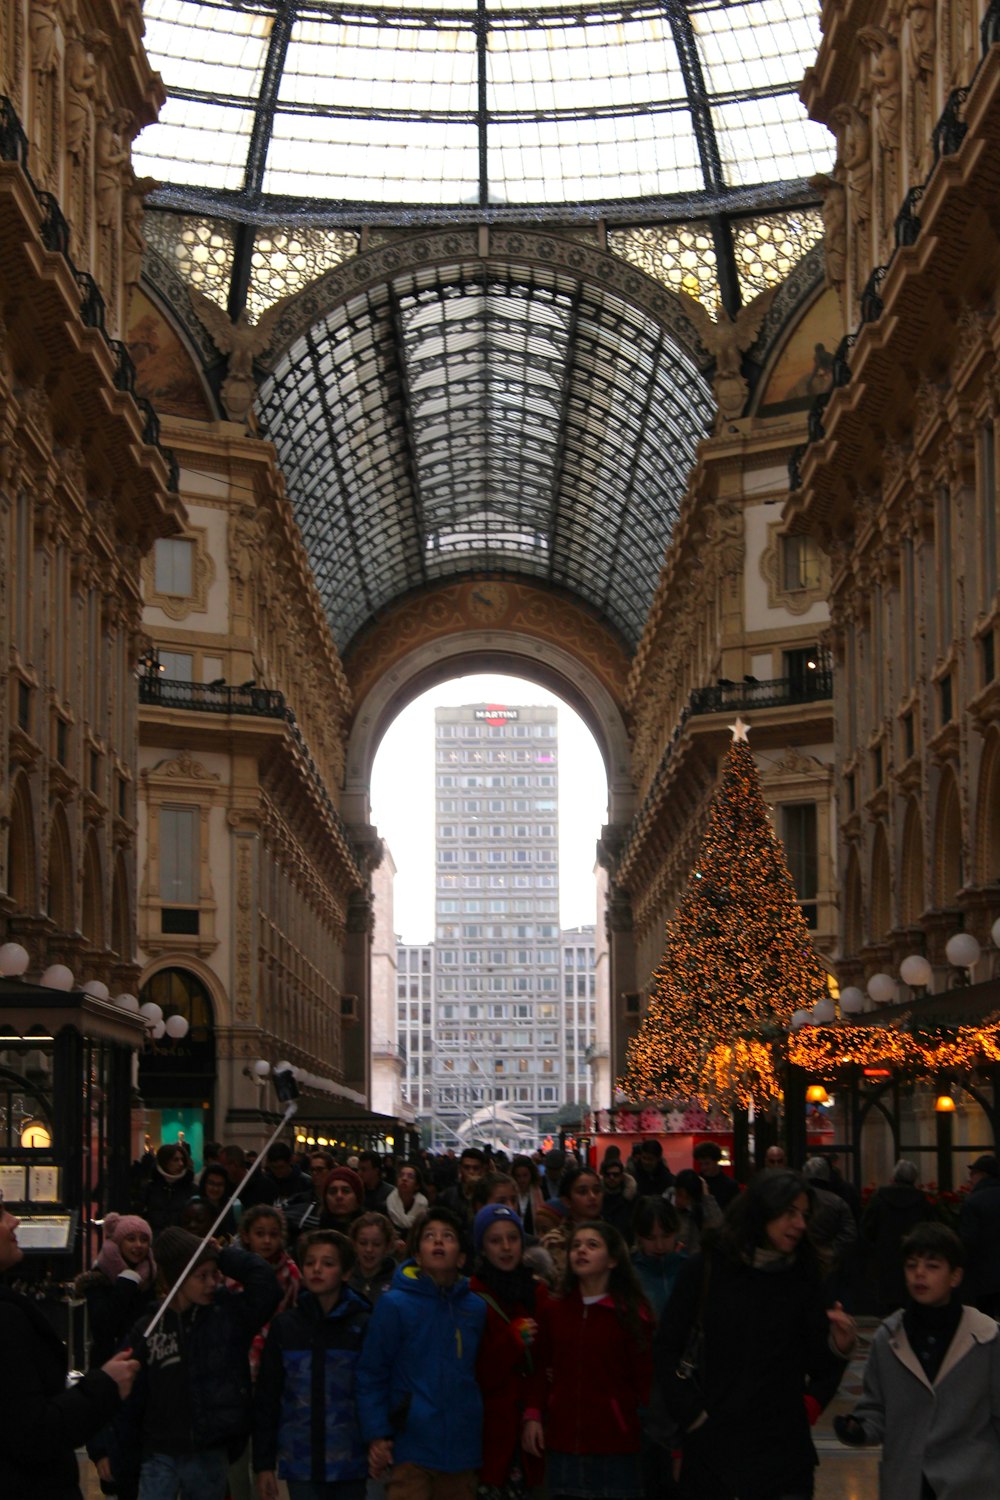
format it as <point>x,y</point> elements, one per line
<point>478,419</point>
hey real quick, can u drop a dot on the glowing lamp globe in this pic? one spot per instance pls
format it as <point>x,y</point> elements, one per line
<point>57,977</point>
<point>96,988</point>
<point>994,933</point>
<point>152,1012</point>
<point>823,1012</point>
<point>800,1018</point>
<point>176,1027</point>
<point>13,960</point>
<point>283,1067</point>
<point>882,988</point>
<point>262,1068</point>
<point>156,1030</point>
<point>915,971</point>
<point>962,951</point>
<point>944,1104</point>
<point>852,1001</point>
<point>128,1002</point>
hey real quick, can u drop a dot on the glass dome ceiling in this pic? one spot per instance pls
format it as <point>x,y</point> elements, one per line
<point>411,111</point>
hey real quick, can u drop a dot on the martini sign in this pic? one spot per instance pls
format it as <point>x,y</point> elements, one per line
<point>495,713</point>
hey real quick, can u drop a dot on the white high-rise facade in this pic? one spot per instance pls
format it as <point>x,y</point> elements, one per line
<point>498,1037</point>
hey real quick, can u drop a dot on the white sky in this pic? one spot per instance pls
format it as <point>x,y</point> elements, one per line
<point>402,797</point>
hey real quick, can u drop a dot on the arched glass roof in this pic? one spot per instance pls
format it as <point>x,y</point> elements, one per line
<point>469,420</point>
<point>411,109</point>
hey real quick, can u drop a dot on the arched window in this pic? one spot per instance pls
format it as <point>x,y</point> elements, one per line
<point>92,908</point>
<point>948,872</point>
<point>988,814</point>
<point>853,906</point>
<point>911,868</point>
<point>22,876</point>
<point>881,888</point>
<point>59,893</point>
<point>121,913</point>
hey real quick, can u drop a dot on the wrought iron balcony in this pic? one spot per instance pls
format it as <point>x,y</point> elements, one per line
<point>776,692</point>
<point>201,697</point>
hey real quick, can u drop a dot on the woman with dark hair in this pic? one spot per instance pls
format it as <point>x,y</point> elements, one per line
<point>696,1209</point>
<point>168,1189</point>
<point>581,1196</point>
<point>343,1199</point>
<point>408,1200</point>
<point>213,1190</point>
<point>530,1197</point>
<point>769,1355</point>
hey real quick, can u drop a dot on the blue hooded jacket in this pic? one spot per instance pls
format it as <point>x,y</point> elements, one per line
<point>416,1379</point>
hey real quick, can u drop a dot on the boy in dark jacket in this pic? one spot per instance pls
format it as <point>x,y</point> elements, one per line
<point>305,1422</point>
<point>418,1400</point>
<point>195,1387</point>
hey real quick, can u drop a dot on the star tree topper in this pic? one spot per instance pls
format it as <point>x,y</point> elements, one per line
<point>740,731</point>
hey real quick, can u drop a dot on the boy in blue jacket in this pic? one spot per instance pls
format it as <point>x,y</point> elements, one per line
<point>418,1400</point>
<point>305,1426</point>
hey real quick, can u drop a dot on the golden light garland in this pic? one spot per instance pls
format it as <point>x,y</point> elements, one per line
<point>822,1051</point>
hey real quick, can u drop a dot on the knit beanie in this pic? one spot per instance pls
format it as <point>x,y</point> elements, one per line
<point>345,1174</point>
<point>494,1213</point>
<point>110,1259</point>
<point>174,1248</point>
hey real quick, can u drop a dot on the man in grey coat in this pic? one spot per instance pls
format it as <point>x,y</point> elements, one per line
<point>932,1384</point>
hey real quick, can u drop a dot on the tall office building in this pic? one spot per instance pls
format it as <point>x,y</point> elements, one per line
<point>579,1012</point>
<point>498,1036</point>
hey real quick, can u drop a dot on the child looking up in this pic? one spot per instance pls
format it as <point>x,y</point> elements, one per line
<point>932,1383</point>
<point>595,1348</point>
<point>505,1368</point>
<point>262,1231</point>
<point>418,1400</point>
<point>305,1424</point>
<point>195,1399</point>
<point>373,1238</point>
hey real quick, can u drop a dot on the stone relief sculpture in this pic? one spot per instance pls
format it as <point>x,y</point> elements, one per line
<point>726,340</point>
<point>885,78</point>
<point>242,341</point>
<point>854,156</point>
<point>111,156</point>
<point>920,48</point>
<point>835,227</point>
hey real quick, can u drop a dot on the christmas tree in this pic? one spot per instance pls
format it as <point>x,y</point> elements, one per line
<point>738,959</point>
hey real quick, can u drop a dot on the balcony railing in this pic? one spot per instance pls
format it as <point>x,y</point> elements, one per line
<point>260,703</point>
<point>776,692</point>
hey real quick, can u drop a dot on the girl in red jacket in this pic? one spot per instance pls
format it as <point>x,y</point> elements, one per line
<point>505,1368</point>
<point>595,1347</point>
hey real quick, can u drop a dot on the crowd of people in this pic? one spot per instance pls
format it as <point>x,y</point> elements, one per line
<point>483,1328</point>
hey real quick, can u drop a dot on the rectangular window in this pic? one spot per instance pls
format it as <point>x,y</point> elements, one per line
<point>179,855</point>
<point>988,509</point>
<point>798,831</point>
<point>944,570</point>
<point>176,666</point>
<point>174,564</point>
<point>799,564</point>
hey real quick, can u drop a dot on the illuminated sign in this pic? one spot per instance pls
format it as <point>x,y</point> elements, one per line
<point>494,714</point>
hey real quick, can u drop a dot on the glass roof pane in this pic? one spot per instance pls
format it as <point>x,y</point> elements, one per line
<point>381,68</point>
<point>623,64</point>
<point>202,144</point>
<point>212,48</point>
<point>579,160</point>
<point>366,159</point>
<point>762,44</point>
<point>764,140</point>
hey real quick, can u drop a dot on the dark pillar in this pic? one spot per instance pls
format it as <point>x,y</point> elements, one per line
<point>741,1144</point>
<point>945,1172</point>
<point>795,1116</point>
<point>67,1112</point>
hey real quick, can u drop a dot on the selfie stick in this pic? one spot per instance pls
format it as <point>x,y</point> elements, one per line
<point>287,1089</point>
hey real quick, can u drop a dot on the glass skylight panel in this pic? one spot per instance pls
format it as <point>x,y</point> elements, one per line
<point>204,145</point>
<point>214,49</point>
<point>381,67</point>
<point>765,140</point>
<point>757,45</point>
<point>583,66</point>
<point>366,160</point>
<point>568,161</point>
